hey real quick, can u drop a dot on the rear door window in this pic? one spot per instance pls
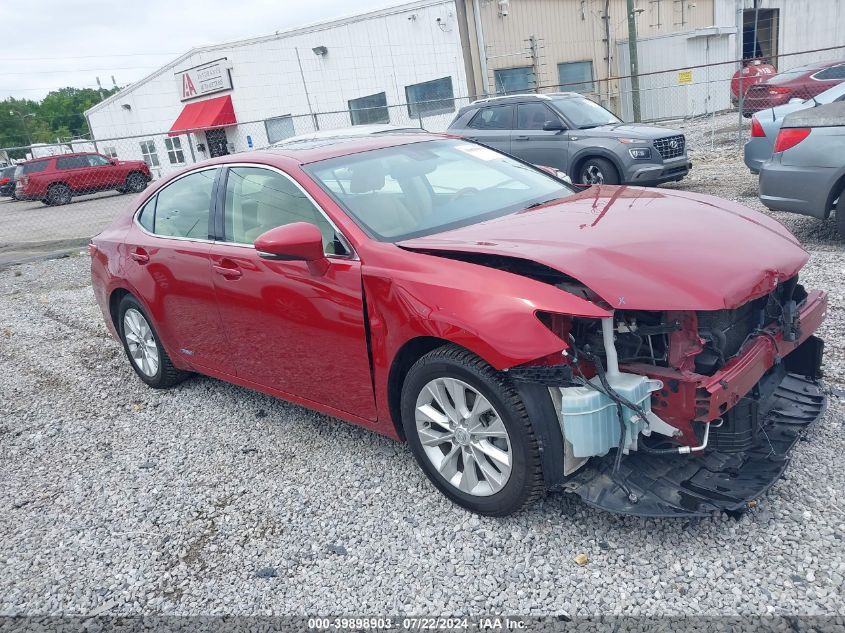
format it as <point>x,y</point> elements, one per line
<point>71,162</point>
<point>182,208</point>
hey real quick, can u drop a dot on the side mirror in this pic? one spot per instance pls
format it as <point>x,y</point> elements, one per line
<point>299,241</point>
<point>553,126</point>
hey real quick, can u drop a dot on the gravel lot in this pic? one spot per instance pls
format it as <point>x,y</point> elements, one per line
<point>212,499</point>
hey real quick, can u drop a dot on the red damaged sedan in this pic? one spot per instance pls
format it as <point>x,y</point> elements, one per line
<point>647,350</point>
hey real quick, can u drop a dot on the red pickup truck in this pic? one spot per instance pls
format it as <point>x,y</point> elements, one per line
<point>56,179</point>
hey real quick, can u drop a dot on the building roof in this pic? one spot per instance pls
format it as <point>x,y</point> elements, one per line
<point>278,35</point>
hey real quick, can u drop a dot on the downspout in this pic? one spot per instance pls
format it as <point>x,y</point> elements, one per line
<point>482,49</point>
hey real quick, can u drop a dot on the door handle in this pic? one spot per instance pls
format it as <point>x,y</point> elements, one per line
<point>229,272</point>
<point>522,138</point>
<point>140,256</point>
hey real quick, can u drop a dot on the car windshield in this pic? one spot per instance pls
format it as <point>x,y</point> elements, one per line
<point>427,187</point>
<point>583,113</point>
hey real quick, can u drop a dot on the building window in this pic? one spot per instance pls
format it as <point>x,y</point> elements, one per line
<point>110,151</point>
<point>371,109</point>
<point>512,80</point>
<point>279,128</point>
<point>576,76</point>
<point>174,150</point>
<point>430,97</point>
<point>149,154</point>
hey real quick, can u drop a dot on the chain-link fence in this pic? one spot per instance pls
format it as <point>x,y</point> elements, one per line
<point>711,104</point>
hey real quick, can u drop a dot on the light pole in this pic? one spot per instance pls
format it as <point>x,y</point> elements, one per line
<point>23,121</point>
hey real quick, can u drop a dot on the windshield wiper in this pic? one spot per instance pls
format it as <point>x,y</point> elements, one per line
<point>534,205</point>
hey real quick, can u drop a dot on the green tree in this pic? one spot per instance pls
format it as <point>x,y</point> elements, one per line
<point>59,115</point>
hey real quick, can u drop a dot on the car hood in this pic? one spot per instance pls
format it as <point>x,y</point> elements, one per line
<point>642,249</point>
<point>628,130</point>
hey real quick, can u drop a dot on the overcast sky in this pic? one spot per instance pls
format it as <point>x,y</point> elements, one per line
<point>75,42</point>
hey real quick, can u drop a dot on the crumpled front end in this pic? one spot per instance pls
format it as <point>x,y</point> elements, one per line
<point>686,413</point>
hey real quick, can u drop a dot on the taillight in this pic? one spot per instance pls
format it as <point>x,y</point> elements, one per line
<point>4,181</point>
<point>790,137</point>
<point>756,128</point>
<point>775,90</point>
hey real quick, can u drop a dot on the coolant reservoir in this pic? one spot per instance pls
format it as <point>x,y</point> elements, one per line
<point>588,418</point>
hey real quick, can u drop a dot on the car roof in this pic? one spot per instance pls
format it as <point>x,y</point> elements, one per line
<point>51,156</point>
<point>354,131</point>
<point>528,96</point>
<point>313,150</point>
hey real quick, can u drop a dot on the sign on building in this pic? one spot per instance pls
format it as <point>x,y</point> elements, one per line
<point>204,80</point>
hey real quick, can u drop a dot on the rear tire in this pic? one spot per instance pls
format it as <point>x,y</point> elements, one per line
<point>840,216</point>
<point>58,195</point>
<point>135,183</point>
<point>480,448</point>
<point>143,347</point>
<point>598,171</point>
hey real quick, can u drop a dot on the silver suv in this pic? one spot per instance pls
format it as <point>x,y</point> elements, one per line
<point>569,132</point>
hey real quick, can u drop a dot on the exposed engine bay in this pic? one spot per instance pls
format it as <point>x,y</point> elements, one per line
<point>633,395</point>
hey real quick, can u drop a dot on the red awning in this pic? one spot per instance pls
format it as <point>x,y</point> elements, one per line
<point>203,115</point>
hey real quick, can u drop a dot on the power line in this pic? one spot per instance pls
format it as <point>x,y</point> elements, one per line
<point>6,59</point>
<point>79,70</point>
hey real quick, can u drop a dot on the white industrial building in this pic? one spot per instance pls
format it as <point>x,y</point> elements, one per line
<point>401,65</point>
<point>417,63</point>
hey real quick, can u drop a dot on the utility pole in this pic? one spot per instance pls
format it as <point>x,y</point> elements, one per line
<point>632,55</point>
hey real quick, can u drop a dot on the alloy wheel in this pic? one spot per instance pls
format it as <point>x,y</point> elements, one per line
<point>463,437</point>
<point>141,342</point>
<point>593,175</point>
<point>136,183</point>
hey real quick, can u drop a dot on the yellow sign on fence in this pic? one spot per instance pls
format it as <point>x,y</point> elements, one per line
<point>684,77</point>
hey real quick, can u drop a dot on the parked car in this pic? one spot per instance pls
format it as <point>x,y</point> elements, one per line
<point>7,182</point>
<point>806,173</point>
<point>752,72</point>
<point>56,179</point>
<point>621,343</point>
<point>765,125</point>
<point>802,83</point>
<point>569,132</point>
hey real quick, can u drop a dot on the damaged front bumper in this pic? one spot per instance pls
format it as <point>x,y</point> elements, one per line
<point>753,411</point>
<point>712,481</point>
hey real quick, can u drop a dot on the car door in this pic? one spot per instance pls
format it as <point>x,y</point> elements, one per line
<point>531,143</point>
<point>291,327</point>
<point>492,126</point>
<point>167,262</point>
<point>104,174</point>
<point>73,170</point>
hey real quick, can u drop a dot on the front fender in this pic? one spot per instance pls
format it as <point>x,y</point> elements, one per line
<point>490,312</point>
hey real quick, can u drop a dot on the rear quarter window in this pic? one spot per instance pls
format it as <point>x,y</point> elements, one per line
<point>32,168</point>
<point>147,214</point>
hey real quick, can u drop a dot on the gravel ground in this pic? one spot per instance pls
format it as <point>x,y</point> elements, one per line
<point>211,499</point>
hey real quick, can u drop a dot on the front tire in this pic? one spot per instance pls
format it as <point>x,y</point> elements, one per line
<point>470,433</point>
<point>598,171</point>
<point>135,183</point>
<point>143,347</point>
<point>840,216</point>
